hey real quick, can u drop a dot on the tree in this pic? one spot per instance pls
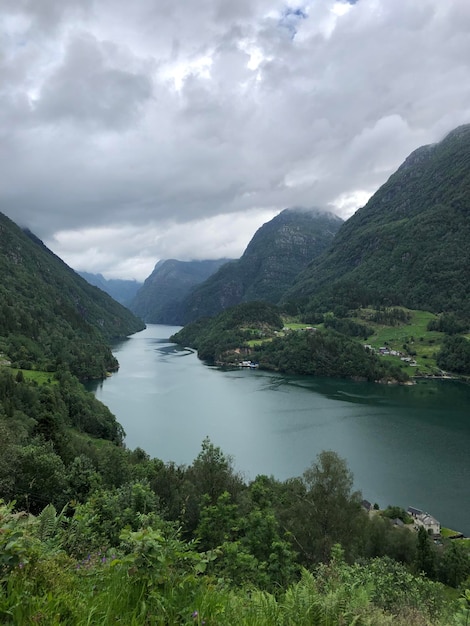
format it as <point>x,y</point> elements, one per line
<point>454,565</point>
<point>328,511</point>
<point>425,554</point>
<point>40,477</point>
<point>211,474</point>
<point>218,522</point>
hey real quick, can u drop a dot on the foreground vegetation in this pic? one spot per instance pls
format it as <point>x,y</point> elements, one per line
<point>153,577</point>
<point>95,533</point>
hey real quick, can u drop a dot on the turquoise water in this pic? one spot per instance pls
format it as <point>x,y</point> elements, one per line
<point>405,445</point>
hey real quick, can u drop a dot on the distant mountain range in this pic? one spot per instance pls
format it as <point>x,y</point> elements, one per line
<point>159,299</point>
<point>123,291</point>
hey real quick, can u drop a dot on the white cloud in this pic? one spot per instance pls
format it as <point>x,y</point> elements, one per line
<point>222,236</point>
<point>135,131</point>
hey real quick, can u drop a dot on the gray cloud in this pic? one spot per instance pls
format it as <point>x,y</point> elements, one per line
<point>149,117</point>
<point>85,89</point>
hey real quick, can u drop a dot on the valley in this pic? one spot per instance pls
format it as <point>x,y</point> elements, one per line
<point>110,489</point>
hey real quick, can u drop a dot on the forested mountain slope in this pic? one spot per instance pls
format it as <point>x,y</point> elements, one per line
<point>410,244</point>
<point>50,316</point>
<point>158,301</point>
<point>279,250</point>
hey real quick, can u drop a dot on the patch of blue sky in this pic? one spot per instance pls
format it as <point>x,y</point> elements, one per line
<point>290,17</point>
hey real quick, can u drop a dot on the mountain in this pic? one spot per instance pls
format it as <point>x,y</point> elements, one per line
<point>51,318</point>
<point>410,244</point>
<point>158,301</point>
<point>278,251</point>
<point>123,291</point>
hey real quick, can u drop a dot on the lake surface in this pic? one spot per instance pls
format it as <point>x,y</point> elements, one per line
<point>408,446</point>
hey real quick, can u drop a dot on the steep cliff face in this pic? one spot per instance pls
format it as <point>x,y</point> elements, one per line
<point>410,244</point>
<point>279,250</point>
<point>158,301</point>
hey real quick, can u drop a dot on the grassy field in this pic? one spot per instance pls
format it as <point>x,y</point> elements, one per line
<point>411,338</point>
<point>42,378</point>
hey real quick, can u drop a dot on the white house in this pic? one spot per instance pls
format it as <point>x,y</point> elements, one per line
<point>428,522</point>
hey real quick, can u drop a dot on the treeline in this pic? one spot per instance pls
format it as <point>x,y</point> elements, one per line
<point>347,326</point>
<point>325,353</point>
<point>450,324</point>
<point>454,355</point>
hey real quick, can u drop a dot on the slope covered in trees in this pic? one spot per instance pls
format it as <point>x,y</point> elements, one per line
<point>410,244</point>
<point>216,338</point>
<point>278,251</point>
<point>251,331</point>
<point>49,316</point>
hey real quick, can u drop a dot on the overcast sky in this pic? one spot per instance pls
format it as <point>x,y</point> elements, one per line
<point>135,131</point>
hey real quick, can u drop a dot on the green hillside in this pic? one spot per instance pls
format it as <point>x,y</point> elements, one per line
<point>50,317</point>
<point>232,329</point>
<point>251,331</point>
<point>410,244</point>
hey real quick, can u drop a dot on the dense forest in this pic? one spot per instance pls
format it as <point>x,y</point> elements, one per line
<point>51,318</point>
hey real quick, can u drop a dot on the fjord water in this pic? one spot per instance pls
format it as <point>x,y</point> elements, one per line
<point>405,445</point>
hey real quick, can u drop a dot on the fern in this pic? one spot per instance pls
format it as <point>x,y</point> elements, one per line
<point>48,522</point>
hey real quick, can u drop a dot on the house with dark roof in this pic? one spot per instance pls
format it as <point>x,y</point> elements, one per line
<point>414,512</point>
<point>424,520</point>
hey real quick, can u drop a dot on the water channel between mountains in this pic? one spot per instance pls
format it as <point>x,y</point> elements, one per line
<point>408,446</point>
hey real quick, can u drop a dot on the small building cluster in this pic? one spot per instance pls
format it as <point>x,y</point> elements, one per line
<point>386,351</point>
<point>424,520</point>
